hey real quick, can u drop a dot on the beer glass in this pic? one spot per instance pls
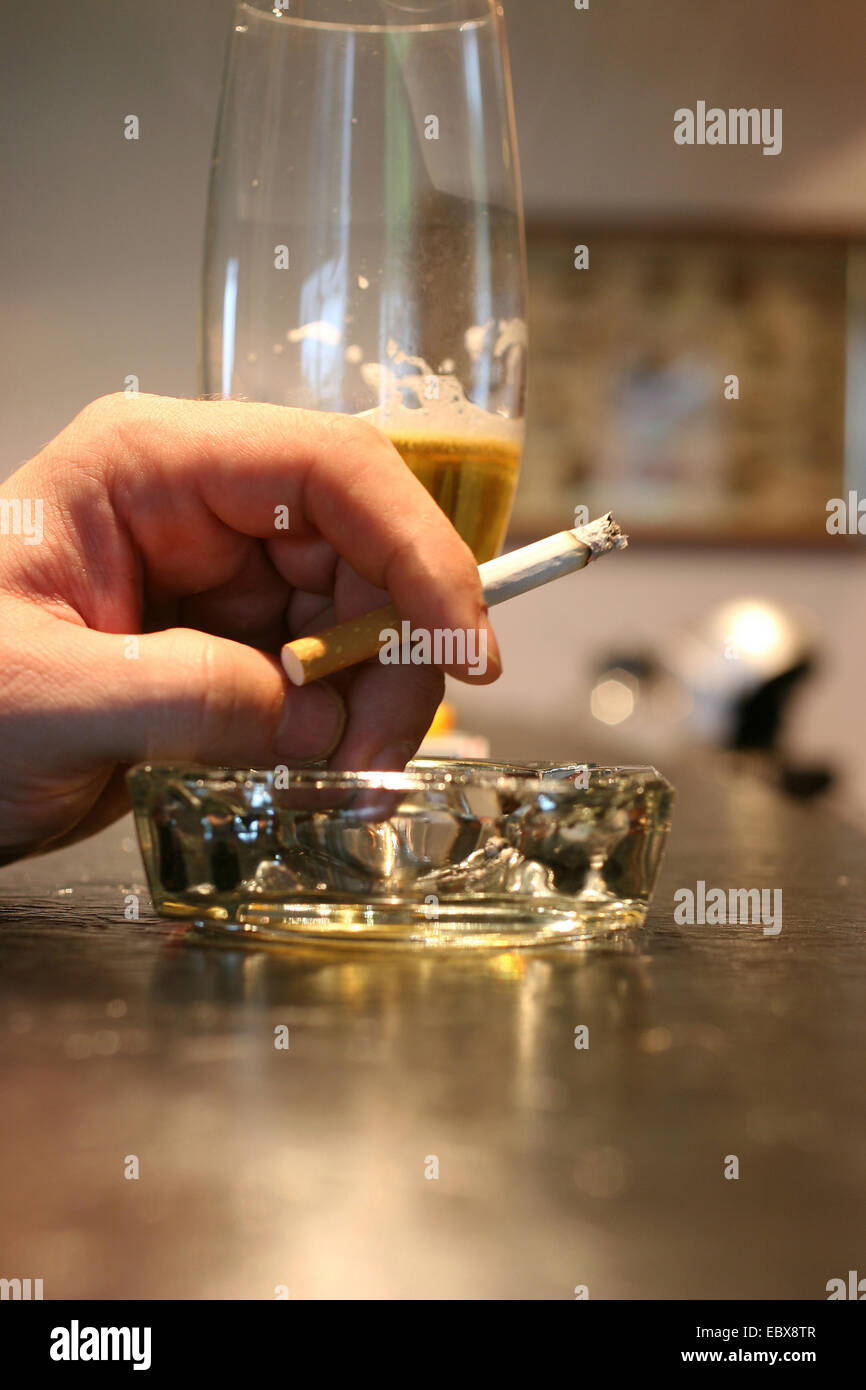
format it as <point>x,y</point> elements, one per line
<point>365,248</point>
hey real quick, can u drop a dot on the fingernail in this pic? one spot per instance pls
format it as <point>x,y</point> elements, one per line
<point>494,656</point>
<point>393,757</point>
<point>311,724</point>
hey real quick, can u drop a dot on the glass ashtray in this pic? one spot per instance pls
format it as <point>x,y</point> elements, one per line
<point>445,853</point>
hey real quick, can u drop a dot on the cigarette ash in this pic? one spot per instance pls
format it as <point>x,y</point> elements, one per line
<point>602,536</point>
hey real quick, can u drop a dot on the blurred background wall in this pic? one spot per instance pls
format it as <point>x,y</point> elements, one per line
<point>100,250</point>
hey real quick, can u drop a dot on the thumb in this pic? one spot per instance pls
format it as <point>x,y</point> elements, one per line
<point>186,695</point>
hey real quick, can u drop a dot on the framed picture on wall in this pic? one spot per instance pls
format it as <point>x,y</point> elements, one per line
<point>693,383</point>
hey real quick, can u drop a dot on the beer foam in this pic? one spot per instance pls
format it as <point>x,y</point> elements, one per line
<point>422,403</point>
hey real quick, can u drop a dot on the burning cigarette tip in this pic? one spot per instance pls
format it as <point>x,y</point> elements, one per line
<point>602,536</point>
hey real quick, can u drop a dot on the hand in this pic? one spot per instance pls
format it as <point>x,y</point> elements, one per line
<point>146,622</point>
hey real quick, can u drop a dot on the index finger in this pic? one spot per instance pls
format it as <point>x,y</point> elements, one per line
<point>229,466</point>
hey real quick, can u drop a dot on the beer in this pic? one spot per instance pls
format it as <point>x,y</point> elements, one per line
<point>472,479</point>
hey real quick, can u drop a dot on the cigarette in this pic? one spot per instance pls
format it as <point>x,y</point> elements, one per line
<point>309,659</point>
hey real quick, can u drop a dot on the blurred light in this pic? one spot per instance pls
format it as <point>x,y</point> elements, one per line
<point>755,629</point>
<point>510,966</point>
<point>612,699</point>
<point>656,1040</point>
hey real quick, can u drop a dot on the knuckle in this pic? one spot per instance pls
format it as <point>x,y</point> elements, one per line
<point>213,691</point>
<point>126,418</point>
<point>195,694</point>
<point>104,407</point>
<point>106,415</point>
<point>355,433</point>
<point>217,696</point>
